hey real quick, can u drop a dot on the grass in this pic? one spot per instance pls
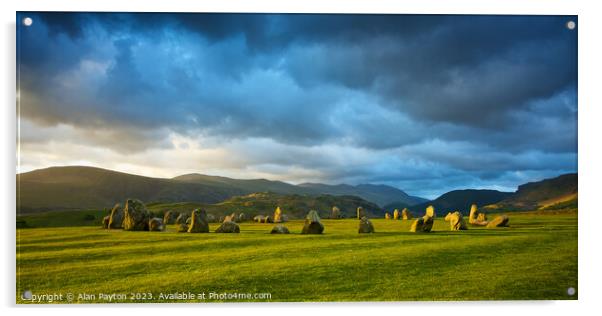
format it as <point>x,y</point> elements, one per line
<point>68,218</point>
<point>536,258</point>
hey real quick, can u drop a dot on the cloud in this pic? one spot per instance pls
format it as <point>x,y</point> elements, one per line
<point>425,103</point>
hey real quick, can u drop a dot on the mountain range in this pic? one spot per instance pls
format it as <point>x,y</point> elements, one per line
<point>77,187</point>
<point>461,200</point>
<point>548,194</point>
<point>554,193</point>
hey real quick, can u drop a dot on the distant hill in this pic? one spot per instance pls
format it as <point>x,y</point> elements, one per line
<point>64,188</point>
<point>397,205</point>
<point>559,192</point>
<point>247,186</point>
<point>264,203</point>
<point>379,194</point>
<point>461,200</point>
<point>72,188</point>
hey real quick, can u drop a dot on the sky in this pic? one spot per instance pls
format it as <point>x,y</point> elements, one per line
<point>424,103</point>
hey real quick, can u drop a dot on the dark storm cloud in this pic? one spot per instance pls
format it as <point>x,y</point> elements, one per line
<point>472,98</point>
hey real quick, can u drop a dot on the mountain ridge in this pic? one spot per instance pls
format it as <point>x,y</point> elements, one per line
<point>461,200</point>
<point>82,187</point>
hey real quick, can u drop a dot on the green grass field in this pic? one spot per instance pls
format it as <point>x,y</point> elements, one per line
<point>535,258</point>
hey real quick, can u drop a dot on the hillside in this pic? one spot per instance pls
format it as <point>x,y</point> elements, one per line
<point>67,188</point>
<point>379,194</point>
<point>295,206</point>
<point>461,200</point>
<point>78,188</point>
<point>559,192</point>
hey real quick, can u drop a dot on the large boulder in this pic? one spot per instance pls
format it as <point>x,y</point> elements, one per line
<point>406,215</point>
<point>105,221</point>
<point>278,215</point>
<point>335,213</point>
<point>499,221</point>
<point>312,224</point>
<point>116,217</point>
<point>279,229</point>
<point>182,223</point>
<point>475,218</point>
<point>136,216</point>
<point>156,225</point>
<point>396,214</point>
<point>170,217</point>
<point>259,218</point>
<point>365,226</point>
<point>228,227</point>
<point>198,222</point>
<point>456,221</point>
<point>360,212</point>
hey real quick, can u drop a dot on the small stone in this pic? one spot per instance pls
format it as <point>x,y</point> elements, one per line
<point>156,225</point>
<point>499,221</point>
<point>279,229</point>
<point>365,226</point>
<point>228,227</point>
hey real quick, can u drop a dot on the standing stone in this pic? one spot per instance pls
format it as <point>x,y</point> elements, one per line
<point>182,223</point>
<point>230,218</point>
<point>278,215</point>
<point>430,211</point>
<point>335,213</point>
<point>136,216</point>
<point>475,218</point>
<point>417,225</point>
<point>312,224</point>
<point>228,227</point>
<point>156,225</point>
<point>170,217</point>
<point>406,215</point>
<point>198,222</point>
<point>279,229</point>
<point>482,217</point>
<point>387,215</point>
<point>424,224</point>
<point>456,221</point>
<point>116,217</point>
<point>365,226</point>
<point>396,214</point>
<point>360,212</point>
<point>499,221</point>
<point>105,221</point>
